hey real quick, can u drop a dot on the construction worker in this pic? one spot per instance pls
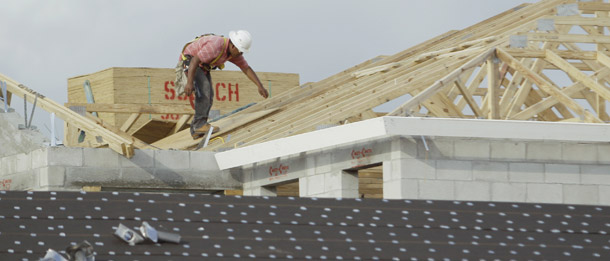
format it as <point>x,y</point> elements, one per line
<point>207,53</point>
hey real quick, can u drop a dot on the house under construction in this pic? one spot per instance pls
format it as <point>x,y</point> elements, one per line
<point>512,109</point>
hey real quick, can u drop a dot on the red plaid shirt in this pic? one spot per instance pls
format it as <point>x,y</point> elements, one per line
<point>207,48</point>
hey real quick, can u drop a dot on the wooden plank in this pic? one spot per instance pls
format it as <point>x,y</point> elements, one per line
<point>579,20</point>
<point>577,74</point>
<point>137,142</point>
<point>129,123</point>
<point>569,38</point>
<point>523,92</point>
<point>493,86</point>
<point>544,85</point>
<point>445,81</point>
<point>180,125</point>
<point>574,55</point>
<point>593,6</point>
<point>136,108</point>
<point>545,104</point>
<point>115,142</point>
<point>183,140</point>
<point>468,97</point>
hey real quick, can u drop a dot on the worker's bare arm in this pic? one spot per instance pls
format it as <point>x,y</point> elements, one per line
<point>188,89</point>
<point>254,78</point>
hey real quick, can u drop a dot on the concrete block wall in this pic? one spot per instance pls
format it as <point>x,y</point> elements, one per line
<point>63,168</point>
<point>450,168</point>
<point>502,170</point>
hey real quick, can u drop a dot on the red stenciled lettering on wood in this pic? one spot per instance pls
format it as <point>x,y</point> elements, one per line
<point>224,97</point>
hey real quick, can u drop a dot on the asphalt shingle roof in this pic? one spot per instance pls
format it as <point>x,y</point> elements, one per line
<point>231,227</point>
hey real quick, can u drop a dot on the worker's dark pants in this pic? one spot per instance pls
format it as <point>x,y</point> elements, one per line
<point>204,97</point>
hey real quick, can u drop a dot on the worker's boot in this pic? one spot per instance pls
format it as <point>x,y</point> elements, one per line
<point>203,130</point>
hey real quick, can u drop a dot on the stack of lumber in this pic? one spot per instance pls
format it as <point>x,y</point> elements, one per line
<point>559,73</point>
<point>143,102</point>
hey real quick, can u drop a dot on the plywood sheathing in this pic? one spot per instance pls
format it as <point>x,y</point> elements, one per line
<point>472,73</point>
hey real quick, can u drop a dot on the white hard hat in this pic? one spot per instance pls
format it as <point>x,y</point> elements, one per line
<point>241,39</point>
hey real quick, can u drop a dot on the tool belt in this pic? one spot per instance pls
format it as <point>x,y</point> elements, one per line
<point>204,66</point>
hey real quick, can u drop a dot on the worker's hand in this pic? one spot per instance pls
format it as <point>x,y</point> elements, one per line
<point>263,92</point>
<point>188,89</point>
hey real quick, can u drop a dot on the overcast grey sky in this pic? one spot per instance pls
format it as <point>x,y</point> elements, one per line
<point>45,42</point>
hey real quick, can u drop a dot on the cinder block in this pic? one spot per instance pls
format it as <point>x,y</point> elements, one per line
<point>436,189</point>
<point>510,192</point>
<point>137,175</point>
<point>20,181</point>
<point>581,194</point>
<point>414,169</point>
<point>526,172</point>
<point>604,195</point>
<point>544,193</point>
<point>340,180</point>
<point>140,159</point>
<point>544,151</point>
<point>438,148</point>
<point>106,158</point>
<point>65,156</point>
<point>603,154</point>
<point>507,150</point>
<point>172,159</point>
<point>562,174</point>
<point>23,162</point>
<point>315,185</point>
<point>472,190</point>
<point>401,189</point>
<point>490,171</point>
<point>303,185</point>
<point>472,149</point>
<point>8,166</point>
<point>580,153</point>
<point>171,178</point>
<point>454,170</point>
<point>203,160</point>
<point>595,174</point>
<point>322,162</point>
<point>51,176</point>
<point>80,176</point>
<point>403,148</point>
<point>39,158</point>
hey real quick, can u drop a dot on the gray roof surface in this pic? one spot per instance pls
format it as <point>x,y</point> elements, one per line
<point>229,227</point>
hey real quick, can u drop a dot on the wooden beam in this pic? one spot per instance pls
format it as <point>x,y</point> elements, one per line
<point>569,38</point>
<point>492,87</point>
<point>138,143</point>
<point>180,123</point>
<point>573,55</point>
<point>136,108</point>
<point>581,21</point>
<point>444,82</point>
<point>545,104</point>
<point>115,142</point>
<point>577,74</point>
<point>183,140</point>
<point>603,59</point>
<point>545,85</point>
<point>130,121</point>
<point>468,97</point>
<point>593,6</point>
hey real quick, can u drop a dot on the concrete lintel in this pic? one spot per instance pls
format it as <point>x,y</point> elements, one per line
<point>385,127</point>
